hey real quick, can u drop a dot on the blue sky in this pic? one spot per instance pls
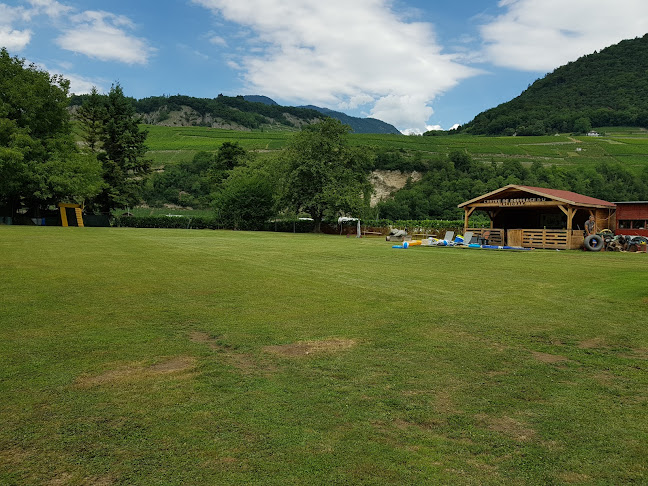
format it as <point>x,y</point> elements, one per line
<point>416,64</point>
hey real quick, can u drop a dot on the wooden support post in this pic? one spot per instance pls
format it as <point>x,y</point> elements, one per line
<point>468,212</point>
<point>570,224</point>
<point>64,221</point>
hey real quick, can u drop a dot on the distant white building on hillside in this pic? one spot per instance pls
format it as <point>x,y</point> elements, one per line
<point>593,134</point>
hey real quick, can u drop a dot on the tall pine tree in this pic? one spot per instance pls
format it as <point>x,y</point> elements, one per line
<point>92,116</point>
<point>123,143</point>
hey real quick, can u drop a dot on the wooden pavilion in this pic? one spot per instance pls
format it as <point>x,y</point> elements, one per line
<point>537,217</point>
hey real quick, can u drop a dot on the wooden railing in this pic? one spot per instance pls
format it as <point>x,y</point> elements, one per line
<point>533,238</point>
<point>545,239</point>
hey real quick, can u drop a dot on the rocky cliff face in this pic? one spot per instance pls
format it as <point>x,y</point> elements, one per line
<point>386,182</point>
<point>188,117</point>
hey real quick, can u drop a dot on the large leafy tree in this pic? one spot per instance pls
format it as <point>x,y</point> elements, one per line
<point>122,156</point>
<point>245,200</point>
<point>39,162</point>
<point>324,176</point>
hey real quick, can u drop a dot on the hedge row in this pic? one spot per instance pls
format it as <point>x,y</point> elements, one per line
<point>290,226</point>
<point>286,226</point>
<point>177,222</point>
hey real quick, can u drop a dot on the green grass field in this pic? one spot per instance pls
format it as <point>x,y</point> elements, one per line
<point>171,357</point>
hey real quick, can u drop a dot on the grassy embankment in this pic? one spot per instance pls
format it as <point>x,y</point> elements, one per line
<point>626,145</point>
<point>214,357</point>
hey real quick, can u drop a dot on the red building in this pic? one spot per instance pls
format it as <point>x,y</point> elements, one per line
<point>632,218</point>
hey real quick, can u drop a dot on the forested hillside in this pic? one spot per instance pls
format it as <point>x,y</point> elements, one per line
<point>358,125</point>
<point>222,111</point>
<point>240,113</point>
<point>608,88</point>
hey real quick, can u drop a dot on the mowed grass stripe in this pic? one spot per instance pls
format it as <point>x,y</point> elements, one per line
<point>215,357</point>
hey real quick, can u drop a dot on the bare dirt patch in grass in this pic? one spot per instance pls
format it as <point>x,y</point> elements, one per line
<point>444,402</point>
<point>311,347</point>
<point>605,378</point>
<point>637,353</point>
<point>548,358</point>
<point>179,365</point>
<point>244,362</point>
<point>13,456</point>
<point>573,477</point>
<point>204,338</point>
<point>592,343</point>
<point>61,479</point>
<point>508,426</point>
<point>247,364</point>
<point>67,478</point>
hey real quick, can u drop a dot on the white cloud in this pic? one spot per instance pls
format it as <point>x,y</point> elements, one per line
<point>355,101</point>
<point>217,40</point>
<point>97,34</point>
<point>343,54</point>
<point>103,35</point>
<point>403,111</point>
<point>82,85</point>
<point>542,35</point>
<point>10,37</point>
<point>78,84</point>
<point>9,14</point>
<point>51,8</point>
<point>14,40</point>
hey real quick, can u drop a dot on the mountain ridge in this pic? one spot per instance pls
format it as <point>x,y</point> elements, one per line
<point>237,113</point>
<point>357,124</point>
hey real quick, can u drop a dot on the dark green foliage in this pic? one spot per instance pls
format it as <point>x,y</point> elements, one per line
<point>461,160</point>
<point>248,111</point>
<point>181,222</point>
<point>324,176</point>
<point>451,182</point>
<point>230,109</point>
<point>39,162</point>
<point>292,225</point>
<point>122,155</point>
<point>192,183</point>
<point>185,184</point>
<point>358,125</point>
<point>609,88</point>
<point>229,155</point>
<point>245,201</point>
<point>582,125</point>
<point>400,160</point>
<point>92,116</point>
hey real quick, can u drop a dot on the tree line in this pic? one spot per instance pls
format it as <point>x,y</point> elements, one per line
<point>231,109</point>
<point>457,178</point>
<point>41,163</point>
<point>319,174</point>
